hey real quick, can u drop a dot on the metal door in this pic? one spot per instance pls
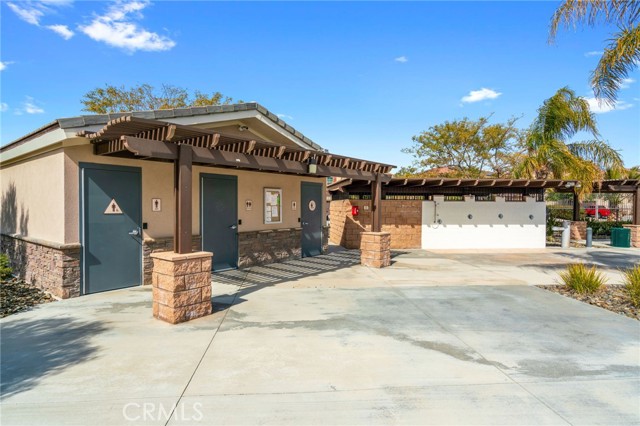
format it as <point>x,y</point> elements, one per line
<point>219,219</point>
<point>311,218</point>
<point>111,202</point>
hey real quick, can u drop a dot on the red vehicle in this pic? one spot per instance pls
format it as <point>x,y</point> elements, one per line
<point>603,212</point>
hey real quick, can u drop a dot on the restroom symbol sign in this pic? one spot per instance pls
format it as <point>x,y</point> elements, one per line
<point>156,204</point>
<point>113,208</point>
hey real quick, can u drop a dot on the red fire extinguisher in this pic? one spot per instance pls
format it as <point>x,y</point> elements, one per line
<point>355,210</point>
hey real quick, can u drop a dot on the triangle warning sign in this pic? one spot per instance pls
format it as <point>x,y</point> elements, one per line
<point>113,208</point>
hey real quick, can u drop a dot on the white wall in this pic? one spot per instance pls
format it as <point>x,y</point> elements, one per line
<point>485,229</point>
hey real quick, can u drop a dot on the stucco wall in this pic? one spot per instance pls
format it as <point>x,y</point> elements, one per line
<point>157,182</point>
<point>33,197</point>
<point>485,229</point>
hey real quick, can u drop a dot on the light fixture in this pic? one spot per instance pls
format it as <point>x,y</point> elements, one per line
<point>242,127</point>
<point>470,216</point>
<point>313,166</point>
<point>531,216</point>
<point>500,215</point>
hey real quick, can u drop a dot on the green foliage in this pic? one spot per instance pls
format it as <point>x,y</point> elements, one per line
<point>632,284</point>
<point>603,228</point>
<point>622,55</point>
<point>464,148</point>
<point>582,279</point>
<point>5,267</point>
<point>546,153</point>
<point>145,97</point>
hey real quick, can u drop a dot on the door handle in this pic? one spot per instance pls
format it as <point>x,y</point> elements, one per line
<point>233,227</point>
<point>135,232</point>
<point>305,223</point>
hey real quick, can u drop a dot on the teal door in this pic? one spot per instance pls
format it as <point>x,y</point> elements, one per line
<point>311,218</point>
<point>110,227</point>
<point>219,219</point>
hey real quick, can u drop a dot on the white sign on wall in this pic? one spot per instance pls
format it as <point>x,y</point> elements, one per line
<point>156,205</point>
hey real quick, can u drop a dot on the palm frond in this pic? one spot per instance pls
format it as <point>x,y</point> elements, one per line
<point>620,58</point>
<point>590,12</point>
<point>562,116</point>
<point>598,152</point>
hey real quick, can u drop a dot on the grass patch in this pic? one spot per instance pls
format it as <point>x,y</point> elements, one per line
<point>632,284</point>
<point>581,279</point>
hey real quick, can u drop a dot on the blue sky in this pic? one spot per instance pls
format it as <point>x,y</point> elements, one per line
<point>358,78</point>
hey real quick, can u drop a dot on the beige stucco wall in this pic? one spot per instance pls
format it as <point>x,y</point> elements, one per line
<point>32,197</point>
<point>157,182</point>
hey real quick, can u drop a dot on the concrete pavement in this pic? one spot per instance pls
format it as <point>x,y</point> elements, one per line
<point>438,338</point>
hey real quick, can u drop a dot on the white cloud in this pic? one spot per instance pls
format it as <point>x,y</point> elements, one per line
<point>3,107</point>
<point>118,29</point>
<point>593,53</point>
<point>598,107</point>
<point>401,59</point>
<point>3,65</point>
<point>480,95</point>
<point>62,30</point>
<point>33,12</point>
<point>285,116</point>
<point>29,106</point>
<point>29,12</point>
<point>626,83</point>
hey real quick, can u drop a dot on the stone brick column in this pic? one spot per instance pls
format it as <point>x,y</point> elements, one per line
<point>375,248</point>
<point>578,230</point>
<point>181,286</point>
<point>635,235</point>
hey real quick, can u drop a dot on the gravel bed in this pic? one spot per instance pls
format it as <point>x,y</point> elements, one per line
<point>611,297</point>
<point>17,296</point>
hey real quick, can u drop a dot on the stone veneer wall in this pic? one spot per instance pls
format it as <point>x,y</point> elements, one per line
<point>635,235</point>
<point>52,267</point>
<point>277,245</point>
<point>578,230</point>
<point>159,245</point>
<point>400,218</point>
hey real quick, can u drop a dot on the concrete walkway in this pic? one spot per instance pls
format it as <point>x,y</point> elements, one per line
<point>438,338</point>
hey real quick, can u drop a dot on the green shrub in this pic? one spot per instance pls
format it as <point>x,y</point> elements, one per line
<point>632,284</point>
<point>582,279</point>
<point>5,267</point>
<point>603,228</point>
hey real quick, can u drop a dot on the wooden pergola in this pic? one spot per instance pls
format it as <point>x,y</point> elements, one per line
<point>185,146</point>
<point>616,186</point>
<point>428,186</point>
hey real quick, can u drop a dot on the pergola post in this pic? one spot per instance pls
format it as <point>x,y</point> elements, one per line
<point>636,207</point>
<point>375,246</point>
<point>182,278</point>
<point>376,204</point>
<point>576,207</point>
<point>183,194</point>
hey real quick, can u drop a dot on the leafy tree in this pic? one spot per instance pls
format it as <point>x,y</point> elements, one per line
<point>622,55</point>
<point>144,97</point>
<point>464,148</point>
<point>548,155</point>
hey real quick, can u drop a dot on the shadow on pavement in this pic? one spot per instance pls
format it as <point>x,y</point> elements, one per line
<point>35,349</point>
<point>257,277</point>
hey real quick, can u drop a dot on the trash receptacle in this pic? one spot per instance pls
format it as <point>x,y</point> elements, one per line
<point>621,237</point>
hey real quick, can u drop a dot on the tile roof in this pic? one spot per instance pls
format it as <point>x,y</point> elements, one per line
<point>97,119</point>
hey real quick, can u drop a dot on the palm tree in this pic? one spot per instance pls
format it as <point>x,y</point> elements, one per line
<point>622,55</point>
<point>548,155</point>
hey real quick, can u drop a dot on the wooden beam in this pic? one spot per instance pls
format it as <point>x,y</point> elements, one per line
<point>148,148</point>
<point>376,204</point>
<point>217,157</point>
<point>182,195</point>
